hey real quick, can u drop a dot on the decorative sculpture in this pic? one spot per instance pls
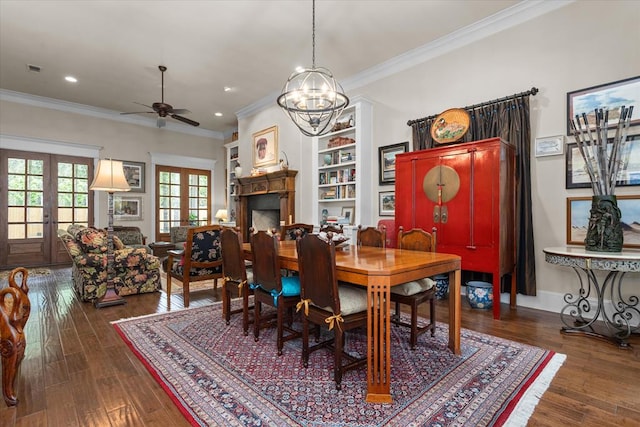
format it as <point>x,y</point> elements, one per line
<point>14,313</point>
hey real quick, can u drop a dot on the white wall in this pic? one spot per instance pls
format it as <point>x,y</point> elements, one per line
<point>584,44</point>
<point>119,140</point>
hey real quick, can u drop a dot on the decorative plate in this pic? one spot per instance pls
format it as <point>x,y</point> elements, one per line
<point>450,126</point>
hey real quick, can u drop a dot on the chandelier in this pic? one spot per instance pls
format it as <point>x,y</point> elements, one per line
<point>312,98</point>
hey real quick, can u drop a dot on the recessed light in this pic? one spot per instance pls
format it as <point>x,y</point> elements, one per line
<point>299,69</point>
<point>71,79</point>
<point>227,89</point>
<point>218,114</point>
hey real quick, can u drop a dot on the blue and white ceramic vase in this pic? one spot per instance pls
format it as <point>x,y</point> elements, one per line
<point>442,286</point>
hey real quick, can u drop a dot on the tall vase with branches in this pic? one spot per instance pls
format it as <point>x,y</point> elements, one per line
<point>605,159</point>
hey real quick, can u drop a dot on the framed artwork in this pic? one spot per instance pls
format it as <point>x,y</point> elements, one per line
<point>549,146</point>
<point>609,96</point>
<point>577,176</point>
<point>387,161</point>
<point>134,173</point>
<point>265,147</point>
<point>578,213</point>
<point>348,213</point>
<point>387,203</point>
<point>127,208</point>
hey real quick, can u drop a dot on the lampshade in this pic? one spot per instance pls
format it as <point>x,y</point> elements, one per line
<point>221,214</point>
<point>110,177</point>
<point>312,98</point>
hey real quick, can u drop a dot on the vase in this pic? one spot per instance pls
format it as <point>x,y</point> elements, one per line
<point>238,171</point>
<point>604,232</point>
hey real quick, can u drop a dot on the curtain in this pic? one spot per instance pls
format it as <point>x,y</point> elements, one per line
<point>509,120</point>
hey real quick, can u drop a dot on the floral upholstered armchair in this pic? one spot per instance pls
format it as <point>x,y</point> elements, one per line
<point>136,271</point>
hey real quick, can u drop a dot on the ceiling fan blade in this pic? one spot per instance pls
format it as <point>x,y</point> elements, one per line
<point>140,112</point>
<point>185,120</point>
<point>180,111</point>
<point>144,105</point>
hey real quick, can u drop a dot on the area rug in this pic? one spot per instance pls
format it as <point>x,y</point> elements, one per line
<point>217,376</point>
<point>33,272</point>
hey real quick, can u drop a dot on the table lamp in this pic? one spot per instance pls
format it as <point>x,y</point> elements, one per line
<point>221,215</point>
<point>110,178</point>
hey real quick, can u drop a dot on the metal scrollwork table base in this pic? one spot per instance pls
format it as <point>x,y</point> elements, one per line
<point>621,310</point>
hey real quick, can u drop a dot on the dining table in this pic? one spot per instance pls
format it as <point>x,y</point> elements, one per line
<point>379,269</point>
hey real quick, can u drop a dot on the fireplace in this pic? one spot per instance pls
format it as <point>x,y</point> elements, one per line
<point>266,201</point>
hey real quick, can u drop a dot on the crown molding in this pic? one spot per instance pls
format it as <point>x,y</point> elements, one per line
<point>507,18</point>
<point>102,113</point>
<point>42,145</point>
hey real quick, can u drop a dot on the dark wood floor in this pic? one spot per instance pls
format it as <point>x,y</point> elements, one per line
<point>78,372</point>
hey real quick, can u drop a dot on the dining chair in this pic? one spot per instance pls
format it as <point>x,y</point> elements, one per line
<point>371,236</point>
<point>325,303</point>
<point>236,277</point>
<point>292,231</point>
<point>419,291</point>
<point>201,259</point>
<point>271,288</point>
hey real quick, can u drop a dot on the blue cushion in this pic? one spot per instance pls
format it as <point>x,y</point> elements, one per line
<point>290,286</point>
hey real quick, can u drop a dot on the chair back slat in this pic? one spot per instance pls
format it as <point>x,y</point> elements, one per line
<point>371,236</point>
<point>317,268</point>
<point>417,239</point>
<point>233,264</point>
<point>266,265</point>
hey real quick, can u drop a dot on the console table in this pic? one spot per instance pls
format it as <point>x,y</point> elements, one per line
<point>621,310</point>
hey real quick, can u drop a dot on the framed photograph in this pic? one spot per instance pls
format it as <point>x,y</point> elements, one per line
<point>549,146</point>
<point>387,161</point>
<point>127,208</point>
<point>134,172</point>
<point>577,176</point>
<point>609,96</point>
<point>387,203</point>
<point>578,213</point>
<point>348,213</point>
<point>265,147</point>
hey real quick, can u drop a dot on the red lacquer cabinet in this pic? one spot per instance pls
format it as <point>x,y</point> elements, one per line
<point>467,192</point>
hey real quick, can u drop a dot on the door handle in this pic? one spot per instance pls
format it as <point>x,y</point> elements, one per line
<point>436,214</point>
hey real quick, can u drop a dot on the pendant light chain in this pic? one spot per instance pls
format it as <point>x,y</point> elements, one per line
<point>313,35</point>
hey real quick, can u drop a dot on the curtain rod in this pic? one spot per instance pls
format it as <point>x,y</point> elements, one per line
<point>532,91</point>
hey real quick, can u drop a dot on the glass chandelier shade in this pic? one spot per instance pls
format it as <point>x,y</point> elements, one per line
<point>312,98</point>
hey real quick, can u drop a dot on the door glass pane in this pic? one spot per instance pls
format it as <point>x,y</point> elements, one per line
<point>35,167</point>
<point>16,198</point>
<point>34,198</point>
<point>34,214</point>
<point>16,231</point>
<point>81,216</point>
<point>17,166</point>
<point>16,214</point>
<point>16,182</point>
<point>35,231</point>
<point>65,184</point>
<point>34,183</point>
<point>65,215</point>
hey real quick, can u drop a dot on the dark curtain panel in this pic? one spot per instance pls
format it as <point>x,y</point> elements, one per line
<point>510,121</point>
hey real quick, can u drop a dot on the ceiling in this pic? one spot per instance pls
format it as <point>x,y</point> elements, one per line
<point>114,48</point>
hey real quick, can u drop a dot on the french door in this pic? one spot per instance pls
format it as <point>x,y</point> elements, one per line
<point>183,197</point>
<point>40,194</point>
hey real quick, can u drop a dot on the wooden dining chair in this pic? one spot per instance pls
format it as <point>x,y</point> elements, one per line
<point>419,291</point>
<point>371,236</point>
<point>326,304</point>
<point>271,288</point>
<point>236,277</point>
<point>292,231</point>
<point>201,259</point>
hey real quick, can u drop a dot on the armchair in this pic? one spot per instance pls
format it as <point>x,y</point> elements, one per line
<point>200,260</point>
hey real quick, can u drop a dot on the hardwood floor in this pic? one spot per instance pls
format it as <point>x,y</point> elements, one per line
<point>78,372</point>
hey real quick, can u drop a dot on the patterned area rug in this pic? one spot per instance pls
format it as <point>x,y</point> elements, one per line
<point>33,272</point>
<point>217,376</point>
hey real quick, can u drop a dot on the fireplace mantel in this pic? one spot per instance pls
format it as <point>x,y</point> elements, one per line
<point>281,182</point>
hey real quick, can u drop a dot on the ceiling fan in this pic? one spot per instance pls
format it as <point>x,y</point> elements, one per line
<point>163,110</point>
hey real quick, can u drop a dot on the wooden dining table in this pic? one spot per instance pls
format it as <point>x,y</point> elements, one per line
<point>378,269</point>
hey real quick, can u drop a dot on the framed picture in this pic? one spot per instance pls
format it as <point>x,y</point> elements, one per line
<point>609,96</point>
<point>265,147</point>
<point>387,203</point>
<point>577,176</point>
<point>578,213</point>
<point>134,173</point>
<point>387,161</point>
<point>348,213</point>
<point>127,208</point>
<point>549,146</point>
